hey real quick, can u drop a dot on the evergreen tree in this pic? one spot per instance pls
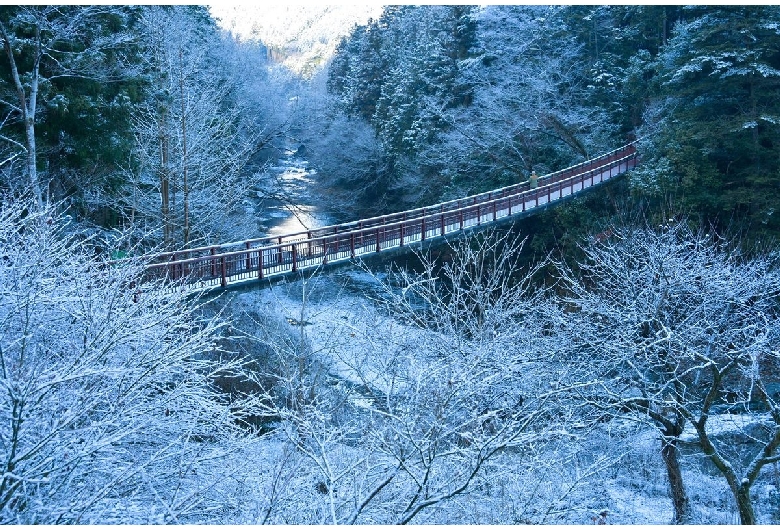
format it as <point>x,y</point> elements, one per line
<point>718,117</point>
<point>61,89</point>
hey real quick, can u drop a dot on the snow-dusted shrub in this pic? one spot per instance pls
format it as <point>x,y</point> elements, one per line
<point>105,402</point>
<point>406,406</point>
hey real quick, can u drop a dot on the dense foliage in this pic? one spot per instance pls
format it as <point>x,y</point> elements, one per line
<point>127,113</point>
<point>428,102</point>
<point>715,116</point>
<point>534,88</point>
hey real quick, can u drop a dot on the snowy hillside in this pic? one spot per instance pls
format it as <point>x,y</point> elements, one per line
<point>302,37</point>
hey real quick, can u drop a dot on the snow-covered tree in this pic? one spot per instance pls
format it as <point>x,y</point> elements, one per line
<point>530,107</point>
<point>105,393</point>
<point>404,406</point>
<point>675,326</point>
<point>716,116</point>
<point>48,49</point>
<point>195,136</point>
<point>397,73</point>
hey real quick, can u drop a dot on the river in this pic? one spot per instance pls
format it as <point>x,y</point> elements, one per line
<point>287,202</point>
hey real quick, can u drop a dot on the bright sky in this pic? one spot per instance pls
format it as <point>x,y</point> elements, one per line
<point>282,22</point>
<point>313,29</point>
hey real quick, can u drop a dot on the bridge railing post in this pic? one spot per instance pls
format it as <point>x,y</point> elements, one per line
<point>260,264</point>
<point>223,271</point>
<point>401,229</point>
<point>377,240</point>
<point>294,258</point>
<point>248,257</point>
<point>352,244</point>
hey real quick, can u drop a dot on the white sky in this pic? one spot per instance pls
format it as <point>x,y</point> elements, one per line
<point>308,32</point>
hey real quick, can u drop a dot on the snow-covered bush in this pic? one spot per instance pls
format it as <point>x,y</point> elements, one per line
<point>105,402</point>
<point>406,406</point>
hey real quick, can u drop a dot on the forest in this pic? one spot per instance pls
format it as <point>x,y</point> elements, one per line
<point>612,360</point>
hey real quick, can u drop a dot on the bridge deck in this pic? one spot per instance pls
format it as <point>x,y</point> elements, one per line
<point>251,260</point>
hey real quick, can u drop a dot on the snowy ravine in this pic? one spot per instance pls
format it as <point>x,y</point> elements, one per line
<point>614,467</point>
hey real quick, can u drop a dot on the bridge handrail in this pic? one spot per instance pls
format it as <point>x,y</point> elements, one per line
<point>383,219</point>
<point>370,230</point>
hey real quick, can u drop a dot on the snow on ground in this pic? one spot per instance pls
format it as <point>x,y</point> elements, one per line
<point>617,467</point>
<point>344,328</point>
<point>726,424</point>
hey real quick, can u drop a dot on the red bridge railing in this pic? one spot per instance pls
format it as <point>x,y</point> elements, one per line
<point>221,265</point>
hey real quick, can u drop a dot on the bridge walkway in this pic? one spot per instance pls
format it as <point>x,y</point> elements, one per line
<point>220,266</point>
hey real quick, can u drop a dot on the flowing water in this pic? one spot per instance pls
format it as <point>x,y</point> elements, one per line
<point>288,203</point>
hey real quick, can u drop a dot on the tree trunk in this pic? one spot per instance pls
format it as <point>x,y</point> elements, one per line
<point>744,505</point>
<point>670,454</point>
<point>32,170</point>
<point>739,488</point>
<point>165,208</point>
<point>184,161</point>
<point>27,108</point>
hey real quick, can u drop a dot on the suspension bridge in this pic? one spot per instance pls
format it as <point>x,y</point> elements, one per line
<point>221,266</point>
